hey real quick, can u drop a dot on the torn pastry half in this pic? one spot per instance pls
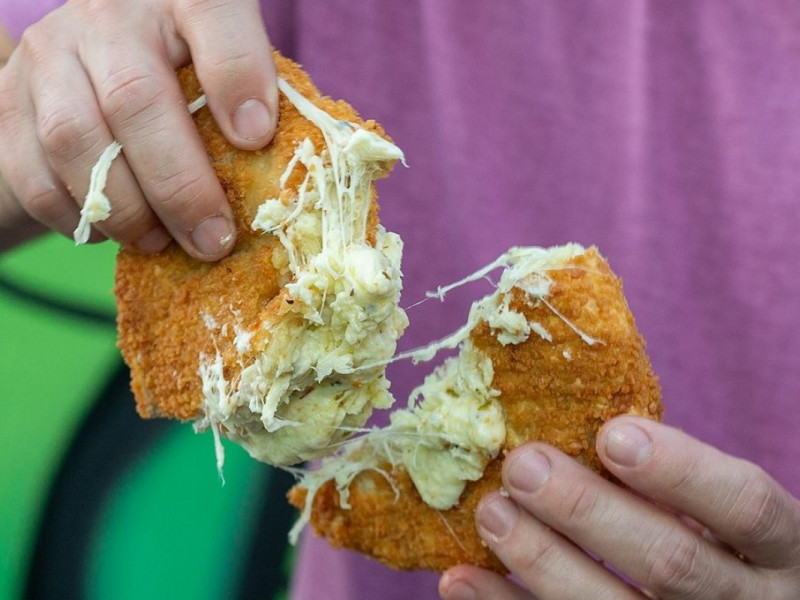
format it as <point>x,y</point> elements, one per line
<point>550,356</point>
<point>267,347</point>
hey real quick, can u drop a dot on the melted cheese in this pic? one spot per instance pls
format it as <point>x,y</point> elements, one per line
<point>306,390</point>
<point>96,206</point>
<point>321,370</point>
<point>453,429</point>
<point>454,424</point>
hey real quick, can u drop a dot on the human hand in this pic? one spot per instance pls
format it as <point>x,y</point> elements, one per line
<point>94,71</point>
<point>699,524</point>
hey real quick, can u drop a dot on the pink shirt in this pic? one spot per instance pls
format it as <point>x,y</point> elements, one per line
<point>666,133</point>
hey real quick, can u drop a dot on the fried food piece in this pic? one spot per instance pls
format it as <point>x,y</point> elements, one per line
<point>586,364</point>
<point>190,331</point>
<point>282,345</point>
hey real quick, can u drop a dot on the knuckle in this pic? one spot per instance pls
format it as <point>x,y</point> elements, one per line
<point>687,478</point>
<point>235,64</point>
<point>674,563</point>
<point>34,45</point>
<point>91,6</point>
<point>540,558</point>
<point>229,57</point>
<point>42,199</point>
<point>129,222</point>
<point>179,193</point>
<point>755,515</point>
<point>129,92</point>
<point>584,503</point>
<point>67,132</point>
<point>96,11</point>
<point>202,8</point>
<point>9,104</point>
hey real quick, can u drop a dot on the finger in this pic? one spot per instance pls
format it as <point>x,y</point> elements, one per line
<point>739,503</point>
<point>643,541</point>
<point>6,45</point>
<point>26,170</point>
<point>73,134</point>
<point>232,57</point>
<point>548,564</point>
<point>147,114</point>
<point>471,583</point>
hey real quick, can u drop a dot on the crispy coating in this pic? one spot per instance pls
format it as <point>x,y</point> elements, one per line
<point>167,301</point>
<point>559,392</point>
<point>172,309</point>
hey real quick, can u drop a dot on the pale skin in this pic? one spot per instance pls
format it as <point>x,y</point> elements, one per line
<point>93,71</point>
<point>699,524</point>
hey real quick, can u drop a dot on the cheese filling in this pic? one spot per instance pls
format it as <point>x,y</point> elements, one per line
<point>96,206</point>
<point>306,391</point>
<point>320,371</point>
<point>454,424</point>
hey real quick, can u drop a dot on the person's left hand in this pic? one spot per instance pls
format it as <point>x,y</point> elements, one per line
<point>697,524</point>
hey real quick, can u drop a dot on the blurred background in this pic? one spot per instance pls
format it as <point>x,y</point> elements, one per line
<point>94,501</point>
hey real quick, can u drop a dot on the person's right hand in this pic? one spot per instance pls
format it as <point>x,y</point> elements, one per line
<point>94,71</point>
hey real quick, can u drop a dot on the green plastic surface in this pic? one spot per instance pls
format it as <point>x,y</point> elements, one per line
<point>172,531</point>
<point>51,369</point>
<point>169,529</point>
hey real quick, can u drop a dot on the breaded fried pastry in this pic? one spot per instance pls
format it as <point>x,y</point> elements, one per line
<point>263,346</point>
<point>550,356</point>
<point>282,346</point>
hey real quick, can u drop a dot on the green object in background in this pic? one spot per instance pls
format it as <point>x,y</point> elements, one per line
<point>171,530</point>
<point>168,529</point>
<point>53,265</point>
<point>51,369</point>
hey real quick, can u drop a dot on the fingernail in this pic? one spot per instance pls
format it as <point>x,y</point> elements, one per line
<point>497,516</point>
<point>628,445</point>
<point>153,241</point>
<point>528,471</point>
<point>457,590</point>
<point>251,120</point>
<point>213,235</point>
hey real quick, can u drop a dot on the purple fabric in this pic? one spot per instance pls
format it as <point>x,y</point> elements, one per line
<point>666,133</point>
<point>17,15</point>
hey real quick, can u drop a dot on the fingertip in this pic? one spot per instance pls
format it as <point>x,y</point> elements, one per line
<point>469,582</point>
<point>253,124</point>
<point>625,443</point>
<point>453,586</point>
<point>496,517</point>
<point>213,238</point>
<point>622,420</point>
<point>527,470</point>
<point>255,119</point>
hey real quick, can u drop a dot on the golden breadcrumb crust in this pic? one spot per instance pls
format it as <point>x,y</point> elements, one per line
<point>559,392</point>
<point>165,301</point>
